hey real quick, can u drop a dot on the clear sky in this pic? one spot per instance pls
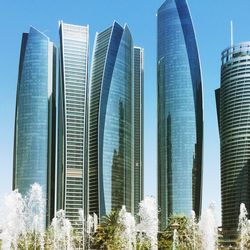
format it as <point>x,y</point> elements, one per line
<point>212,24</point>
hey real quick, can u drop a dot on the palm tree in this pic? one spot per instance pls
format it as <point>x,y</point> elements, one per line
<point>185,234</point>
<point>108,234</point>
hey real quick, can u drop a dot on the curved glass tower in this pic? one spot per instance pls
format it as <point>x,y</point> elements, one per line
<point>34,145</point>
<point>180,112</point>
<point>110,122</point>
<point>233,101</point>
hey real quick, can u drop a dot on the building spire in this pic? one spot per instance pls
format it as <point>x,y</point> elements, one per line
<point>232,34</point>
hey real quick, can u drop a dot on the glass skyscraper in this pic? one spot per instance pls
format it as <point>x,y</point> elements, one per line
<point>111,122</point>
<point>34,140</point>
<point>233,101</point>
<point>72,127</point>
<point>180,113</point>
<point>138,126</point>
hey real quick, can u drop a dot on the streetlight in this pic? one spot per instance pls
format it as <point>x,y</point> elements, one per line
<point>175,225</point>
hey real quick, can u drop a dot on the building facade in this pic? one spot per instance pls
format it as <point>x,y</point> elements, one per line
<point>180,113</point>
<point>35,123</point>
<point>138,127</point>
<point>72,124</point>
<point>110,144</point>
<point>233,100</point>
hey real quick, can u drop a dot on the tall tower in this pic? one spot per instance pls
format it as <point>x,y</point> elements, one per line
<point>233,101</point>
<point>72,127</point>
<point>180,113</point>
<point>138,126</point>
<point>34,140</point>
<point>111,122</point>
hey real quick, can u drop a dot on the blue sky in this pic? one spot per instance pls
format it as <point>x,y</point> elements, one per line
<point>212,24</point>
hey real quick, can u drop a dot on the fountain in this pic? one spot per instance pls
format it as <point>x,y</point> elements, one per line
<point>243,227</point>
<point>128,233</point>
<point>90,224</point>
<point>12,224</point>
<point>23,223</point>
<point>35,214</point>
<point>208,229</point>
<point>61,231</point>
<point>89,227</point>
<point>82,222</point>
<point>175,240</point>
<point>148,226</point>
<point>95,221</point>
<point>22,219</point>
<point>194,231</point>
<point>22,226</point>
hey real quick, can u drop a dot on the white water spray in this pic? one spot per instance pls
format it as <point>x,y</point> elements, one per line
<point>148,225</point>
<point>128,233</point>
<point>208,229</point>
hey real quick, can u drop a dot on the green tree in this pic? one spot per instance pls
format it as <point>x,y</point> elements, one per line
<point>108,234</point>
<point>188,237</point>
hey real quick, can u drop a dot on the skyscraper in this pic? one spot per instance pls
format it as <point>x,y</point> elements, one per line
<point>180,113</point>
<point>233,100</point>
<point>34,140</point>
<point>111,122</point>
<point>138,126</point>
<point>72,127</point>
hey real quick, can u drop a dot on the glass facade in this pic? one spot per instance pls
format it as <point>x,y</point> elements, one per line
<point>72,128</point>
<point>233,100</point>
<point>34,141</point>
<point>180,115</point>
<point>111,122</point>
<point>138,126</point>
